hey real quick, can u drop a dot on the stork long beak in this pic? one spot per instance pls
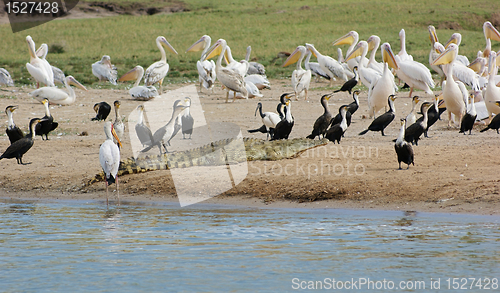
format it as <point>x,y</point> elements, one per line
<point>346,39</point>
<point>490,32</point>
<point>293,58</point>
<point>197,46</point>
<point>388,56</point>
<point>131,75</point>
<point>75,82</point>
<point>447,56</point>
<point>113,132</point>
<point>167,45</point>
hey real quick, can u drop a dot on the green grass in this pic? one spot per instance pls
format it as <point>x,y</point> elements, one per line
<point>269,26</point>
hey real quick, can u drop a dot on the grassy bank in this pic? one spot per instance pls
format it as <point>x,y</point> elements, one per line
<point>269,26</point>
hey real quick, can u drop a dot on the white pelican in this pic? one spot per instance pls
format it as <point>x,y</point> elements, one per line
<point>434,53</point>
<point>415,74</point>
<point>157,71</point>
<point>58,74</point>
<point>260,81</point>
<point>382,87</point>
<point>58,96</point>
<point>5,77</point>
<point>252,89</point>
<point>229,78</point>
<point>329,65</point>
<point>366,75</point>
<point>453,94</point>
<point>373,44</point>
<point>104,70</point>
<point>300,77</point>
<point>109,157</point>
<point>314,67</point>
<point>240,67</point>
<point>118,124</point>
<point>254,67</point>
<point>206,69</point>
<point>490,33</point>
<point>456,38</point>
<point>492,91</point>
<point>140,93</point>
<point>340,58</point>
<point>351,39</point>
<point>37,67</point>
<point>403,55</point>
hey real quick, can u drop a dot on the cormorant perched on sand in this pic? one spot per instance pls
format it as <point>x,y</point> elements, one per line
<point>142,130</point>
<point>411,118</point>
<point>47,123</point>
<point>269,119</point>
<point>414,131</point>
<point>102,110</point>
<point>284,127</point>
<point>433,114</point>
<point>382,121</point>
<point>322,122</point>
<point>187,120</point>
<point>469,118</point>
<point>13,131</point>
<point>495,122</point>
<point>336,132</point>
<point>403,149</point>
<point>20,147</point>
<point>351,109</point>
<point>351,83</point>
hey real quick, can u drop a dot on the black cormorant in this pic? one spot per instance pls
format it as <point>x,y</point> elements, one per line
<point>469,118</point>
<point>336,132</point>
<point>495,122</point>
<point>414,131</point>
<point>20,147</point>
<point>351,83</point>
<point>382,121</point>
<point>322,122</point>
<point>47,123</point>
<point>284,127</point>
<point>403,149</point>
<point>13,131</point>
<point>102,111</point>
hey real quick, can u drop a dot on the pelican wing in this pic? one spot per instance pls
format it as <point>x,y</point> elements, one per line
<point>5,78</point>
<point>415,71</point>
<point>156,72</point>
<point>39,74</point>
<point>143,93</point>
<point>332,65</point>
<point>466,75</point>
<point>53,94</point>
<point>303,79</point>
<point>58,75</point>
<point>256,68</point>
<point>259,80</point>
<point>231,79</point>
<point>252,89</point>
<point>204,72</point>
<point>103,71</point>
<point>316,70</point>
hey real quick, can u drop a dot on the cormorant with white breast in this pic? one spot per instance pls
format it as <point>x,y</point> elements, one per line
<point>495,122</point>
<point>187,119</point>
<point>284,127</point>
<point>13,131</point>
<point>142,130</point>
<point>47,123</point>
<point>414,131</point>
<point>21,146</point>
<point>433,114</point>
<point>351,109</point>
<point>403,149</point>
<point>336,132</point>
<point>102,111</point>
<point>322,122</point>
<point>469,118</point>
<point>382,121</point>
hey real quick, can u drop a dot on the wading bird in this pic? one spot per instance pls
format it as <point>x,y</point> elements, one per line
<point>109,157</point>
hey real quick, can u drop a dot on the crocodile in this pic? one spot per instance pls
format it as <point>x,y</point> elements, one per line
<point>222,152</point>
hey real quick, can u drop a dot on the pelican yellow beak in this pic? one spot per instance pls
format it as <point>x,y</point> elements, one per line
<point>167,45</point>
<point>475,65</point>
<point>432,34</point>
<point>131,75</point>
<point>371,43</point>
<point>197,46</point>
<point>452,40</point>
<point>447,56</point>
<point>293,58</point>
<point>75,82</point>
<point>388,56</point>
<point>355,53</point>
<point>213,51</point>
<point>113,132</point>
<point>347,39</point>
<point>490,32</point>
